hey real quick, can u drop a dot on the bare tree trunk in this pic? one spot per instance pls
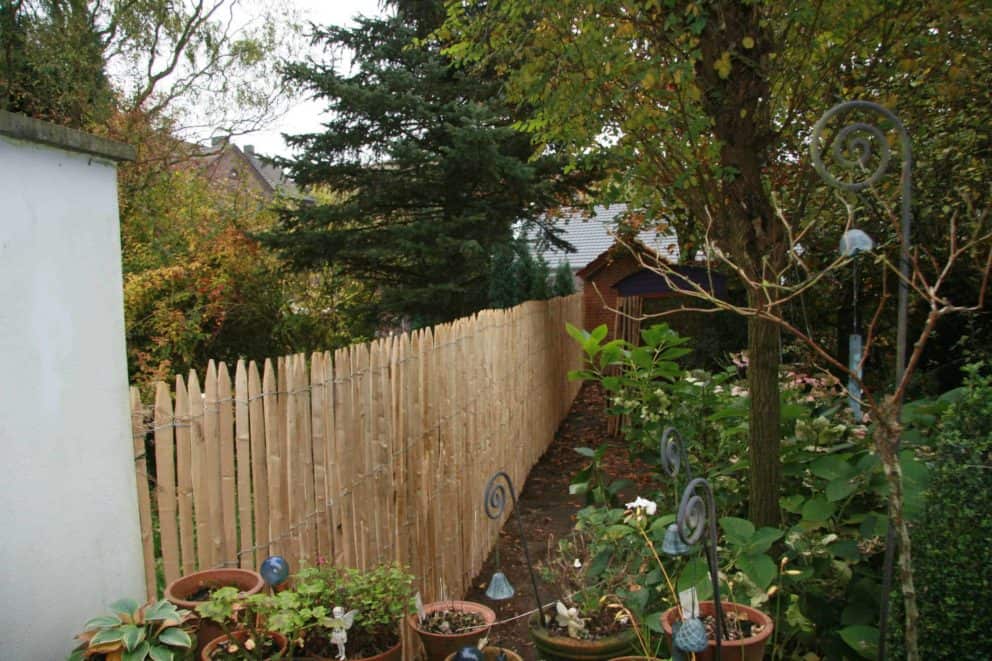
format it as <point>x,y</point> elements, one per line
<point>764,339</point>
<point>886,436</point>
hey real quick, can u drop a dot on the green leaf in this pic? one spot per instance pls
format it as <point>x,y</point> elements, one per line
<point>659,525</point>
<point>762,540</point>
<point>791,411</point>
<point>586,452</point>
<point>599,563</point>
<point>759,568</point>
<point>737,531</point>
<point>862,638</point>
<point>831,467</point>
<point>107,636</point>
<point>654,622</point>
<point>840,489</point>
<point>696,574</point>
<point>162,610</point>
<point>157,653</point>
<point>818,509</point>
<point>102,622</point>
<point>125,607</point>
<point>175,637</point>
<point>578,488</point>
<point>617,531</point>
<point>616,486</point>
<point>792,503</point>
<point>133,636</point>
<point>137,654</point>
<point>599,333</point>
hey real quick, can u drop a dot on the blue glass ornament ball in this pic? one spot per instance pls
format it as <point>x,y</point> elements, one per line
<point>469,654</point>
<point>274,570</point>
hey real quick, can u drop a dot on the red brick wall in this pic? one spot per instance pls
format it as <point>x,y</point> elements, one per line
<point>599,307</point>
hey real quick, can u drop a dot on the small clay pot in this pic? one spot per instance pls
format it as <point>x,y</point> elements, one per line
<point>745,649</point>
<point>240,636</point>
<point>440,645</point>
<point>491,654</point>
<point>179,591</point>
<point>563,648</point>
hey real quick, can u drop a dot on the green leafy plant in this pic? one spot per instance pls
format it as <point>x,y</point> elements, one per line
<point>133,633</point>
<point>953,554</point>
<point>593,482</point>
<point>381,597</point>
<point>241,620</point>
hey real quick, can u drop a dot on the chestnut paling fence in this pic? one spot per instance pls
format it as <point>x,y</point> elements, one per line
<point>378,453</point>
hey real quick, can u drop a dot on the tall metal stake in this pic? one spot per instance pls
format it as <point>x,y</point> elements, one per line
<point>848,138</point>
<point>495,501</point>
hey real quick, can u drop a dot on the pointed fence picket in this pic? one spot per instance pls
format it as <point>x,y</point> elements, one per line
<point>377,453</point>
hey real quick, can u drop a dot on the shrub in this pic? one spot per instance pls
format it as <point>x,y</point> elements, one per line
<point>952,545</point>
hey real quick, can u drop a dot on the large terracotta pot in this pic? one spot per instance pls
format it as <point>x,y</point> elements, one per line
<point>492,654</point>
<point>563,648</point>
<point>745,649</point>
<point>394,653</point>
<point>440,645</point>
<point>240,636</point>
<point>180,590</point>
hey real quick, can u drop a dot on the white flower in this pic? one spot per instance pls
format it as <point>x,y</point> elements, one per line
<point>649,506</point>
<point>577,564</point>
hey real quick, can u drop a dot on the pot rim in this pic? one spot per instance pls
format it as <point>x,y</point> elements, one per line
<point>487,613</point>
<point>197,579</point>
<point>768,624</point>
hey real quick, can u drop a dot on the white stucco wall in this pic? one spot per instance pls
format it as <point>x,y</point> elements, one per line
<point>69,532</point>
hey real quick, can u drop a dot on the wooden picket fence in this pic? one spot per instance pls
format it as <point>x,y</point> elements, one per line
<point>380,453</point>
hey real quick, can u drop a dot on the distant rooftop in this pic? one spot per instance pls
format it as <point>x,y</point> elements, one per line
<point>592,235</point>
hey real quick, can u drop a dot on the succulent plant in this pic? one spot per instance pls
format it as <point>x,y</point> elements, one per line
<point>134,633</point>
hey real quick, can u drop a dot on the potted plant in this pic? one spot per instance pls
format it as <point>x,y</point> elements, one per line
<point>153,631</point>
<point>244,635</point>
<point>334,612</point>
<point>192,590</point>
<point>444,627</point>
<point>746,630</point>
<point>590,566</point>
<point>485,653</point>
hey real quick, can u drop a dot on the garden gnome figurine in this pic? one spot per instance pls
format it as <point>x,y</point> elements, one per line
<point>339,625</point>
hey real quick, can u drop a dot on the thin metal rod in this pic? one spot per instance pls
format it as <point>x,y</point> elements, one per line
<point>862,147</point>
<point>697,516</point>
<point>495,504</point>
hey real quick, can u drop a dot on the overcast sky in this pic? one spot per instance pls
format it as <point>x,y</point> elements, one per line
<point>305,115</point>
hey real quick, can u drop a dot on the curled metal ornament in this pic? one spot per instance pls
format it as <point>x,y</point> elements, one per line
<point>673,453</point>
<point>697,512</point>
<point>495,495</point>
<point>854,146</point>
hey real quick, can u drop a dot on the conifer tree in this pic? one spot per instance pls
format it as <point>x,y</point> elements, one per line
<point>432,172</point>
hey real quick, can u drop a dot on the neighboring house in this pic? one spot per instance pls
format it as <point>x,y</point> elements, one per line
<point>242,169</point>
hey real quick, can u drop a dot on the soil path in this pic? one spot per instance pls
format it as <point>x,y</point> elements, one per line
<point>548,513</point>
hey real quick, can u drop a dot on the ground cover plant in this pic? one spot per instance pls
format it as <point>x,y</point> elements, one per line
<point>818,572</point>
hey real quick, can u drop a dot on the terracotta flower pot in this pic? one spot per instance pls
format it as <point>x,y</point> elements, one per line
<point>745,649</point>
<point>440,645</point>
<point>180,590</point>
<point>394,653</point>
<point>563,648</point>
<point>491,654</point>
<point>240,636</point>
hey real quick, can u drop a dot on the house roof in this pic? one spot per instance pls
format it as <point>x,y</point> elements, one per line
<point>591,236</point>
<point>270,180</point>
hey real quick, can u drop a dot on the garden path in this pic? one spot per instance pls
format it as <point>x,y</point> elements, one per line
<point>548,513</point>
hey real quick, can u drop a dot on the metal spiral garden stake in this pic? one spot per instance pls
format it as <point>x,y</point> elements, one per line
<point>696,516</point>
<point>857,140</point>
<point>495,503</point>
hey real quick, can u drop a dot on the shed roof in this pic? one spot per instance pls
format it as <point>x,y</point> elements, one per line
<point>591,235</point>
